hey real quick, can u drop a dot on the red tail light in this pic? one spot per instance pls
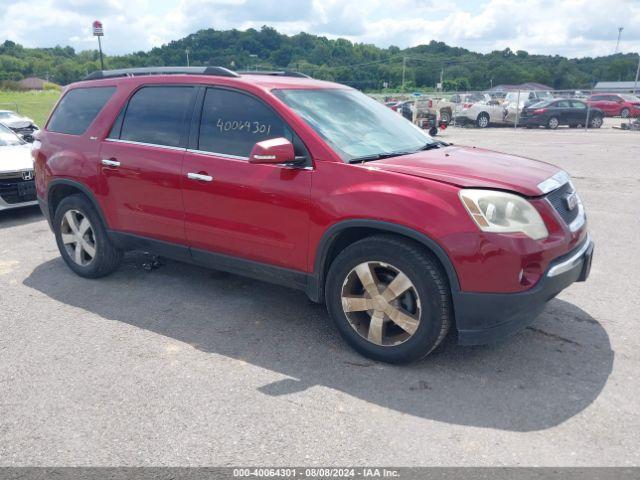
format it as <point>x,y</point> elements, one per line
<point>467,105</point>
<point>430,103</point>
<point>539,111</point>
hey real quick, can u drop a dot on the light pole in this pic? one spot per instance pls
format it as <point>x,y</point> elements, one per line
<point>187,52</point>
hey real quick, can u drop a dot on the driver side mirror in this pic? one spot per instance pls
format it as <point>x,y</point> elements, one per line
<point>277,150</point>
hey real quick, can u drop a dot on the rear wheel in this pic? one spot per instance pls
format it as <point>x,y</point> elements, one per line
<point>553,123</point>
<point>389,299</point>
<point>82,238</point>
<point>445,116</point>
<point>483,120</point>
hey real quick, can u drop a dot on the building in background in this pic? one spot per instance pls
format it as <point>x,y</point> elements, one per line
<point>617,87</point>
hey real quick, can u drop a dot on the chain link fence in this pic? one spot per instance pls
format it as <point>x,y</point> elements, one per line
<point>551,109</point>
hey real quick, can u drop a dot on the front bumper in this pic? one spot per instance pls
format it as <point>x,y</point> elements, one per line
<point>486,317</point>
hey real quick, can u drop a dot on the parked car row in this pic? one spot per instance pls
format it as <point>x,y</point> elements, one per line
<point>526,108</point>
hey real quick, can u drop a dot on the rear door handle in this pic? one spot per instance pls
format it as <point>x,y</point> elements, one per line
<point>199,176</point>
<point>110,163</point>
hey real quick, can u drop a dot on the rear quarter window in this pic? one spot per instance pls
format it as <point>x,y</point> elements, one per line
<point>78,108</point>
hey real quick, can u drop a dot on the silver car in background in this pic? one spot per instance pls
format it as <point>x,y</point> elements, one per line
<point>17,184</point>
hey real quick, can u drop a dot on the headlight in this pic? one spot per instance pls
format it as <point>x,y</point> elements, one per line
<point>502,212</point>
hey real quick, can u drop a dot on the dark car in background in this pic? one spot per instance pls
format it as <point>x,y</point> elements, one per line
<point>567,111</point>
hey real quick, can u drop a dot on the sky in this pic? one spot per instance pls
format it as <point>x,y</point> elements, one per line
<point>572,28</point>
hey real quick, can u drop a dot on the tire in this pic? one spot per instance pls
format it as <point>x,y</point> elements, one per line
<point>483,120</point>
<point>595,122</point>
<point>624,113</point>
<point>553,123</point>
<point>445,116</point>
<point>75,223</point>
<point>433,131</point>
<point>427,301</point>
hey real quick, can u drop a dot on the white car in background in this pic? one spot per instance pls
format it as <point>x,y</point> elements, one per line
<point>23,126</point>
<point>17,184</point>
<point>514,102</point>
<point>484,113</point>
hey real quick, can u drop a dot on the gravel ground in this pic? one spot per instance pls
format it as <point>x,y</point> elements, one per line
<point>184,366</point>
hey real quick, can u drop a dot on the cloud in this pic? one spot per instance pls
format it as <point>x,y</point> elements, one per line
<point>574,28</point>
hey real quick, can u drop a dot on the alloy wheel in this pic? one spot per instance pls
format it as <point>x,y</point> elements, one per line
<point>78,237</point>
<point>381,303</point>
<point>596,122</point>
<point>553,123</point>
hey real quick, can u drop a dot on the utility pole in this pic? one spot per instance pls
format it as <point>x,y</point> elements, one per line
<point>187,52</point>
<point>404,69</point>
<point>442,79</point>
<point>618,42</point>
<point>635,84</point>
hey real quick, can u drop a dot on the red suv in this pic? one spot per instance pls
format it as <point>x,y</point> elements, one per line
<point>616,104</point>
<point>316,186</point>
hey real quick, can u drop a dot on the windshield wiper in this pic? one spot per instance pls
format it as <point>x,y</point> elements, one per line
<point>432,145</point>
<point>377,156</point>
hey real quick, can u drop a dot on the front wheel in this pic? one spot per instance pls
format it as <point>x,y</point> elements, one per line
<point>624,113</point>
<point>389,299</point>
<point>595,122</point>
<point>82,238</point>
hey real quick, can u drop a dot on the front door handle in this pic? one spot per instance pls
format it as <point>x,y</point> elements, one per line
<point>110,163</point>
<point>199,176</point>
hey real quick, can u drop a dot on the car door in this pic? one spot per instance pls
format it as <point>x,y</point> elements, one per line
<point>562,111</point>
<point>578,112</point>
<point>142,162</point>
<point>256,212</point>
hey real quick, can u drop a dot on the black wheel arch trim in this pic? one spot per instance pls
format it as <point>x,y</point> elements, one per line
<point>80,186</point>
<point>315,287</point>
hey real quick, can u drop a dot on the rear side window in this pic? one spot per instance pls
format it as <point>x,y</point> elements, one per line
<point>233,122</point>
<point>78,108</point>
<point>156,115</point>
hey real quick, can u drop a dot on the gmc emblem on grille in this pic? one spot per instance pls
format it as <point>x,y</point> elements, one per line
<point>28,175</point>
<point>571,200</point>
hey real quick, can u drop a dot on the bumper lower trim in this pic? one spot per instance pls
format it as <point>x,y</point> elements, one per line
<point>570,262</point>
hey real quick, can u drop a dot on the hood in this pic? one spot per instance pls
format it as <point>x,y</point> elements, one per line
<point>473,167</point>
<point>15,122</point>
<point>15,158</point>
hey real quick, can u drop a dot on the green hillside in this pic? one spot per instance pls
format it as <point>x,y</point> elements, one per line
<point>361,65</point>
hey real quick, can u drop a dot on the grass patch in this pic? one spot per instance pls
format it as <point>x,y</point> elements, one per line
<point>33,104</point>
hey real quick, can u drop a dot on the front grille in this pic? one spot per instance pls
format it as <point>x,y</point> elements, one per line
<point>557,199</point>
<point>17,190</point>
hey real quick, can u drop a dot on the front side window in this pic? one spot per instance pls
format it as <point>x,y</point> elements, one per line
<point>577,104</point>
<point>78,108</point>
<point>157,115</point>
<point>354,124</point>
<point>233,122</point>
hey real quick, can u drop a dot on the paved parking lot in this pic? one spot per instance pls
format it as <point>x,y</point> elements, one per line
<point>184,366</point>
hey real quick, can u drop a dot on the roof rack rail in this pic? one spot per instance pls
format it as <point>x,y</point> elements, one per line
<point>275,73</point>
<point>135,72</point>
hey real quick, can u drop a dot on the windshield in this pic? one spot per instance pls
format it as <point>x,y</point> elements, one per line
<point>629,98</point>
<point>6,114</point>
<point>353,124</point>
<point>8,138</point>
